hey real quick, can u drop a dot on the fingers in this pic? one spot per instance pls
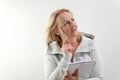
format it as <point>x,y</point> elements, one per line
<point>66,42</point>
<point>69,75</point>
<point>67,47</point>
<point>76,74</point>
<point>65,77</point>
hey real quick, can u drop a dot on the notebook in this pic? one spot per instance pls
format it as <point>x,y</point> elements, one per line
<point>84,67</point>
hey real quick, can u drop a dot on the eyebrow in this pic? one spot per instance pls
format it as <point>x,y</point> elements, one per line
<point>68,20</point>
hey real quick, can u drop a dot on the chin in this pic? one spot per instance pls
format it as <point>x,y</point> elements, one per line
<point>75,34</point>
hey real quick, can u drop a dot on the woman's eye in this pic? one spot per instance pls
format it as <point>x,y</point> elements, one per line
<point>73,19</point>
<point>67,23</point>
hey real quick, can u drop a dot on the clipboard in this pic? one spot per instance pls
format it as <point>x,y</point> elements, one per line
<point>84,68</point>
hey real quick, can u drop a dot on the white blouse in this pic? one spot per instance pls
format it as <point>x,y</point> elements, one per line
<point>56,62</point>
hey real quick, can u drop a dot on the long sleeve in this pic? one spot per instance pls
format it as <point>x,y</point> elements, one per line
<point>54,70</point>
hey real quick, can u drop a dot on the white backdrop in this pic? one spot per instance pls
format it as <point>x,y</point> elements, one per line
<point>22,34</point>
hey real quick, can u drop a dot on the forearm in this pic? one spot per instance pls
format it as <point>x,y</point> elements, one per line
<point>56,72</point>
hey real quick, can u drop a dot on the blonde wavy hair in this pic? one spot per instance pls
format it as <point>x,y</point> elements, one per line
<point>53,24</point>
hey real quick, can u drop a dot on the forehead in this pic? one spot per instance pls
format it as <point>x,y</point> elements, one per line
<point>65,16</point>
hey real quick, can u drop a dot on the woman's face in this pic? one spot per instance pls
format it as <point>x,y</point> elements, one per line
<point>67,25</point>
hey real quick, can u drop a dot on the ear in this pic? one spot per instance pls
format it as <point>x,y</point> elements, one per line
<point>57,32</point>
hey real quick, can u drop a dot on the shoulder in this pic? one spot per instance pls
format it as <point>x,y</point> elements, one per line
<point>88,35</point>
<point>86,44</point>
<point>53,48</point>
<point>88,41</point>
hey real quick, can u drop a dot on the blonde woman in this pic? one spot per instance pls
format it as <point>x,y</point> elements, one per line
<point>65,44</point>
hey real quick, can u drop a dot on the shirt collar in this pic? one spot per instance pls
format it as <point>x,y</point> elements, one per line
<point>84,46</point>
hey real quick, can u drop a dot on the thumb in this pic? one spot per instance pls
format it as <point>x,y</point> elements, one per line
<point>69,75</point>
<point>76,73</point>
<point>66,41</point>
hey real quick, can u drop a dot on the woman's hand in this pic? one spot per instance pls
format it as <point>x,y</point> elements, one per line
<point>74,76</point>
<point>67,47</point>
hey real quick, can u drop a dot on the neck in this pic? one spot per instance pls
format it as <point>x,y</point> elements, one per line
<point>73,40</point>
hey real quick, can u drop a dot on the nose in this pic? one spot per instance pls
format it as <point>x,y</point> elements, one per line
<point>72,24</point>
